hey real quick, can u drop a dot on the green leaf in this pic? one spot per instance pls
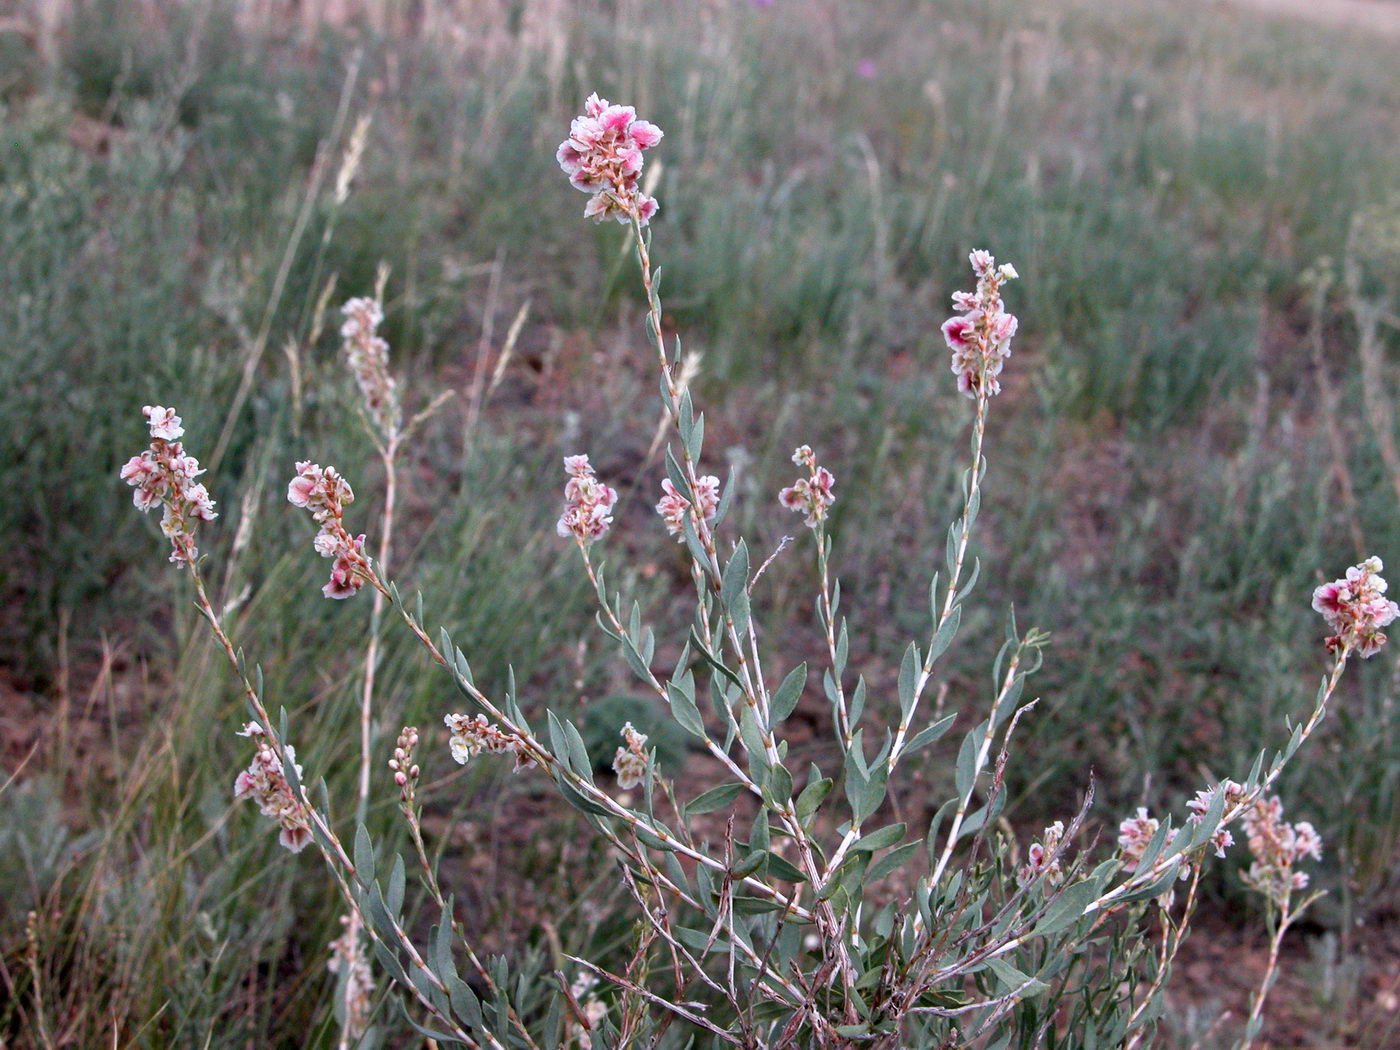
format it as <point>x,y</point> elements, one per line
<point>779,786</point>
<point>393,900</point>
<point>929,734</point>
<point>945,635</point>
<point>749,864</point>
<point>908,679</point>
<point>1067,908</point>
<point>696,442</point>
<point>966,772</point>
<point>683,708</point>
<point>784,870</point>
<point>1012,979</point>
<point>872,793</point>
<point>886,836</point>
<point>890,862</point>
<point>812,797</point>
<point>1156,887</point>
<point>715,798</point>
<point>573,798</point>
<point>364,855</point>
<point>736,576</point>
<point>465,1004</point>
<point>785,697</point>
<point>753,741</point>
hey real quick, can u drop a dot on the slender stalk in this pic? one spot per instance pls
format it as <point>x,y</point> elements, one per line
<point>755,692</point>
<point>1260,994</point>
<point>1111,900</point>
<point>974,485</point>
<point>336,858</point>
<point>984,749</point>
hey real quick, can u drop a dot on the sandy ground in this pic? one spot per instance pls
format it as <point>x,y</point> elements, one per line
<point>1375,16</point>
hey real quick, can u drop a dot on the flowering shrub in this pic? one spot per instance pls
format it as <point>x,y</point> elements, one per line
<point>813,920</point>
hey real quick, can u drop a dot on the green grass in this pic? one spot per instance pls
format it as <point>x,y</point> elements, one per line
<point>1159,495</point>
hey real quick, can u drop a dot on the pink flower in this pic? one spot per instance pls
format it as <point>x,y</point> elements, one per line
<point>471,736</point>
<point>345,580</point>
<point>368,357</point>
<point>979,335</point>
<point>603,156</point>
<point>588,503</point>
<point>1134,836</point>
<point>1355,608</point>
<point>1042,857</point>
<point>324,493</point>
<point>630,761</point>
<point>673,506</point>
<point>165,424</point>
<point>812,495</point>
<point>164,475</point>
<point>265,783</point>
<point>1277,848</point>
<point>959,332</point>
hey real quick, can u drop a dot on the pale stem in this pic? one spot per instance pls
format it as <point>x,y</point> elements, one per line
<point>655,682</point>
<point>843,717</point>
<point>755,695</point>
<point>1140,879</point>
<point>979,429</point>
<point>983,750</point>
<point>389,454</point>
<point>542,755</point>
<point>1172,938</point>
<point>1256,1005</point>
<point>337,859</point>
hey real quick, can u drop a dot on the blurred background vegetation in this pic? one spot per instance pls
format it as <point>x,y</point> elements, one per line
<point>1197,427</point>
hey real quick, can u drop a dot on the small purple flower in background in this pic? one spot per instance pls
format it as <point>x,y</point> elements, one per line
<point>980,336</point>
<point>266,784</point>
<point>603,156</point>
<point>1356,608</point>
<point>865,69</point>
<point>812,495</point>
<point>164,474</point>
<point>761,3</point>
<point>673,506</point>
<point>588,503</point>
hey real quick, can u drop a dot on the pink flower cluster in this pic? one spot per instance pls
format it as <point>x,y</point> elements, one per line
<point>1042,858</point>
<point>164,474</point>
<point>368,355</point>
<point>1356,608</point>
<point>630,762</point>
<point>1199,806</point>
<point>603,156</point>
<point>588,503</point>
<point>813,494</point>
<point>1134,835</point>
<point>1277,847</point>
<point>673,506</point>
<point>472,736</point>
<point>980,334</point>
<point>266,784</point>
<point>324,493</point>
